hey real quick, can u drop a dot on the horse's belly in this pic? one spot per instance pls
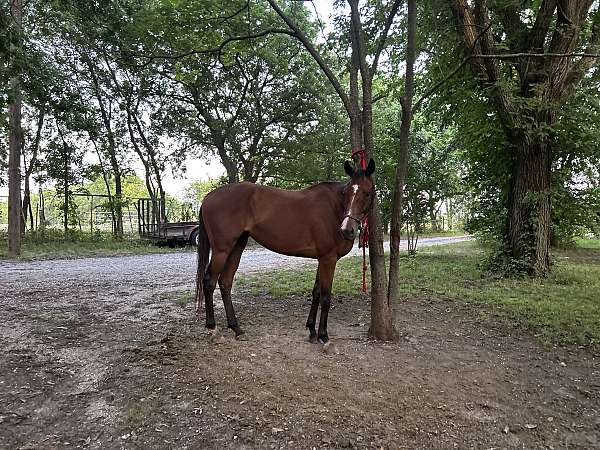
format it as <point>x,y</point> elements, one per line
<point>280,242</point>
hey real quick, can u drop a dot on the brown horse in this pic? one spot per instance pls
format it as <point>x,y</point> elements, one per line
<point>318,222</point>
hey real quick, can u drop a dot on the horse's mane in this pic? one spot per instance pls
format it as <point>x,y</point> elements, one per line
<point>326,184</point>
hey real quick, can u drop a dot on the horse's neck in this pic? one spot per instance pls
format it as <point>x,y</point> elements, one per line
<point>337,195</point>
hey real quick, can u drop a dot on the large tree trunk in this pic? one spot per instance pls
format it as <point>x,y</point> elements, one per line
<point>550,81</point>
<point>529,206</point>
<point>15,145</point>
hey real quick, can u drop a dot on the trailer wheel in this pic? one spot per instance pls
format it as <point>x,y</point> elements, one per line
<point>194,238</point>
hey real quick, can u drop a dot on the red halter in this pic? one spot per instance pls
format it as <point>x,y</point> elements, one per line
<point>363,240</point>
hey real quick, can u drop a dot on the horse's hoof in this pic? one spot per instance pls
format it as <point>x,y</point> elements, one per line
<point>323,339</point>
<point>216,338</point>
<point>238,331</point>
<point>330,349</point>
<point>313,339</point>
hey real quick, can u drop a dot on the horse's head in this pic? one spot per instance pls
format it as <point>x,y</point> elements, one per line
<point>358,198</point>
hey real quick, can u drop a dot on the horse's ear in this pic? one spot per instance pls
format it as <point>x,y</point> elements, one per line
<point>370,168</point>
<point>349,169</point>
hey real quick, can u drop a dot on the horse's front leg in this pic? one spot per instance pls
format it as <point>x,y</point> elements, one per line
<point>325,274</point>
<point>312,315</point>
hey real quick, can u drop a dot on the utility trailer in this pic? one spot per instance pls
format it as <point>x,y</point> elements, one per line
<point>153,226</point>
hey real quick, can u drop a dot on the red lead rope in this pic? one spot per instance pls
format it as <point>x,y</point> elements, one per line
<point>363,240</point>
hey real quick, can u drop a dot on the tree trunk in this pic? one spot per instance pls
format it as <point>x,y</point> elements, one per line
<point>529,206</point>
<point>407,114</point>
<point>382,313</point>
<point>29,170</point>
<point>111,201</point>
<point>118,201</point>
<point>433,218</point>
<point>26,205</point>
<point>112,148</point>
<point>66,187</point>
<point>15,145</point>
<point>42,211</point>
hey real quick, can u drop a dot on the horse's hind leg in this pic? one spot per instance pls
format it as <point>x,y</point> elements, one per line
<point>312,315</point>
<point>226,282</point>
<point>215,267</point>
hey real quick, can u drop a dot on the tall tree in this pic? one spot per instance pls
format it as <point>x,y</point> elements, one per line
<point>358,102</point>
<point>15,141</point>
<point>242,100</point>
<point>528,58</point>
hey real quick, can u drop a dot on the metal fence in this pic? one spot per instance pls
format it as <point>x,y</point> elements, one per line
<point>89,213</point>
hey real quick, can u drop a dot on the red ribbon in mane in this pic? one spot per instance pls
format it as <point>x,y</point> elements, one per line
<point>363,240</point>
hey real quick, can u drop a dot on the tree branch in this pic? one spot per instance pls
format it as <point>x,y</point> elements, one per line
<point>298,34</point>
<point>383,36</point>
<point>359,41</point>
<point>541,25</point>
<point>209,51</point>
<point>440,83</point>
<point>593,47</point>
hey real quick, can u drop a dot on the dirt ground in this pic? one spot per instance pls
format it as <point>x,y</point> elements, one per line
<point>99,353</point>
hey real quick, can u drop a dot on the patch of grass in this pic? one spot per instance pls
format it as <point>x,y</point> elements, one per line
<point>587,243</point>
<point>561,309</point>
<point>53,244</point>
<point>180,297</point>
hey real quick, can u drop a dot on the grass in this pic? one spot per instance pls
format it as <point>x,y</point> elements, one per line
<point>180,297</point>
<point>563,308</point>
<point>53,244</point>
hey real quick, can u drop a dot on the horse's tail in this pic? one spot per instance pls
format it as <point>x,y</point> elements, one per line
<point>203,253</point>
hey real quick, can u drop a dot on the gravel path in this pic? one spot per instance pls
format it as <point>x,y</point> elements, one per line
<point>154,269</point>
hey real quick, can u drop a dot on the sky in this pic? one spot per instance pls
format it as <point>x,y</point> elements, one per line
<point>198,169</point>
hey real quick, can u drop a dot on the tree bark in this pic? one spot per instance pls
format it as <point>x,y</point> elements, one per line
<point>15,146</point>
<point>528,231</point>
<point>382,325</point>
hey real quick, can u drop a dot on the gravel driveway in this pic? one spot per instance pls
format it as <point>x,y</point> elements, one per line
<point>162,269</point>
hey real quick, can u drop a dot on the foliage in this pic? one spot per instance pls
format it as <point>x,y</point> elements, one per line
<point>197,190</point>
